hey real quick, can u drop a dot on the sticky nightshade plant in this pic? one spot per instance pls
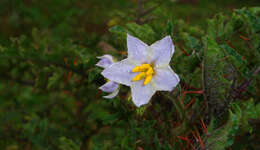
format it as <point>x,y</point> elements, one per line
<point>146,69</point>
<point>111,86</point>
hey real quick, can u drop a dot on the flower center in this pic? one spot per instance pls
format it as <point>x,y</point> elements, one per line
<point>146,73</point>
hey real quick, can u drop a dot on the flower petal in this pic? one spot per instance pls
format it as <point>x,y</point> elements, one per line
<point>105,61</point>
<point>137,50</point>
<point>109,87</point>
<point>163,51</point>
<point>141,94</point>
<point>120,72</point>
<point>112,95</point>
<point>165,79</point>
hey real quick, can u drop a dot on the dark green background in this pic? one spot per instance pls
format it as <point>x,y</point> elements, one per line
<point>49,97</point>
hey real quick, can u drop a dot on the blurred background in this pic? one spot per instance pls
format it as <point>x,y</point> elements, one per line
<point>49,97</point>
<point>72,18</point>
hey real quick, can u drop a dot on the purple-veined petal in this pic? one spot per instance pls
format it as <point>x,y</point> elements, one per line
<point>109,87</point>
<point>162,51</point>
<point>137,50</point>
<point>105,61</point>
<point>120,72</point>
<point>165,79</point>
<point>141,94</point>
<point>112,95</point>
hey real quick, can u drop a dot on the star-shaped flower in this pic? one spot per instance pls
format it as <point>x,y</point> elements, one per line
<point>111,86</point>
<point>146,70</point>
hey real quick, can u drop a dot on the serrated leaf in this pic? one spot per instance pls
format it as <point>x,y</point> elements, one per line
<point>219,137</point>
<point>232,52</point>
<point>144,32</point>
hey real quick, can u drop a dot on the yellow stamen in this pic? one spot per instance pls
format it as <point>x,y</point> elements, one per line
<point>141,68</point>
<point>149,71</point>
<point>147,79</point>
<point>145,66</point>
<point>146,73</point>
<point>137,69</point>
<point>139,76</point>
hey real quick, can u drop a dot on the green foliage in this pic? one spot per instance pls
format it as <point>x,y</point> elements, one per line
<point>237,124</point>
<point>219,137</point>
<point>67,144</point>
<point>249,111</point>
<point>49,97</point>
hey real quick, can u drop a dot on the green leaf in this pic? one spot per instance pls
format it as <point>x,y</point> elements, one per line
<point>249,111</point>
<point>169,28</point>
<point>68,144</point>
<point>144,32</point>
<point>93,74</point>
<point>233,53</point>
<point>219,137</point>
<point>118,30</point>
<point>236,59</point>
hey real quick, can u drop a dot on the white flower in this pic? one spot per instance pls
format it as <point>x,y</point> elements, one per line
<point>111,86</point>
<point>146,70</point>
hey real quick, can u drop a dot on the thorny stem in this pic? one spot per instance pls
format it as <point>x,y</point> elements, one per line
<point>204,82</point>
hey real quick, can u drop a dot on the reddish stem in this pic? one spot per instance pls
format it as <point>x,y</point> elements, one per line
<point>190,103</point>
<point>191,92</point>
<point>243,38</point>
<point>204,126</point>
<point>187,140</point>
<point>201,142</point>
<point>185,52</point>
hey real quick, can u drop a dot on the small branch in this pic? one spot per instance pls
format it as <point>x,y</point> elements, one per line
<point>148,20</point>
<point>139,11</point>
<point>185,53</point>
<point>142,13</point>
<point>147,11</point>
